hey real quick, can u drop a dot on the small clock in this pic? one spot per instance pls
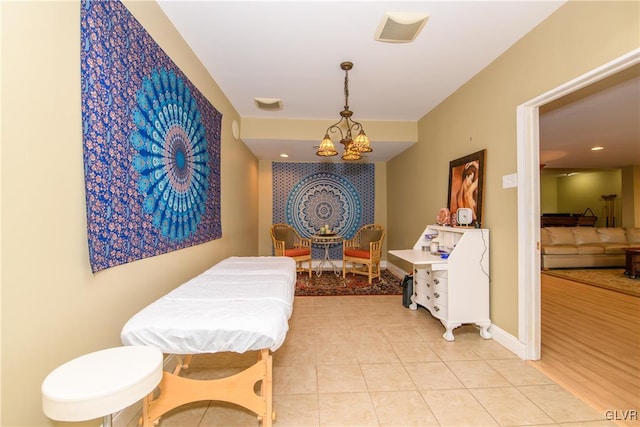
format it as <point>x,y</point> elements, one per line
<point>464,216</point>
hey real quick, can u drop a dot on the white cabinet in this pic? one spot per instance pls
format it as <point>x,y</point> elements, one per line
<point>454,289</point>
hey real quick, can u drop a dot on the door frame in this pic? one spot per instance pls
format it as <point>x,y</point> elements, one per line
<point>528,178</point>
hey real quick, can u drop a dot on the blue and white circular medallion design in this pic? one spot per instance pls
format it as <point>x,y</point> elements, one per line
<point>324,199</point>
<point>172,158</point>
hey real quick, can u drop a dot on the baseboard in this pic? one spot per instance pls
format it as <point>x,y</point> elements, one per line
<point>508,341</point>
<point>393,269</point>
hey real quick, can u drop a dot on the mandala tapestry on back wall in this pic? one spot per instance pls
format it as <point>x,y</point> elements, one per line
<point>151,144</point>
<point>309,196</point>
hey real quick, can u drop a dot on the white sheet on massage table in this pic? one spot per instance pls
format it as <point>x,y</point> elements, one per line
<point>239,304</point>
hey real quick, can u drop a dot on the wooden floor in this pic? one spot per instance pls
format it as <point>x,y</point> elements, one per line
<point>591,344</point>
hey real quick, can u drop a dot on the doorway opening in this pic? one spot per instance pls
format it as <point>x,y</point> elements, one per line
<point>528,173</point>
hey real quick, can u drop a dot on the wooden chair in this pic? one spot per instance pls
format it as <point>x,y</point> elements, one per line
<point>287,242</point>
<point>363,252</point>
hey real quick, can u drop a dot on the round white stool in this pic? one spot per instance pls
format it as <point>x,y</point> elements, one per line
<point>101,383</point>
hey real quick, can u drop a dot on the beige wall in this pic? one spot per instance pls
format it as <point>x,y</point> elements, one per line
<point>577,38</point>
<point>573,198</point>
<point>548,194</point>
<point>576,193</point>
<point>53,308</point>
<point>630,196</point>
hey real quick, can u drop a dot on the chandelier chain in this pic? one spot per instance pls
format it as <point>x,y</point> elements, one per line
<point>346,90</point>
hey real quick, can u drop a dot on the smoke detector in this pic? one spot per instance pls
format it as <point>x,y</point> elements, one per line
<point>400,27</point>
<point>269,104</point>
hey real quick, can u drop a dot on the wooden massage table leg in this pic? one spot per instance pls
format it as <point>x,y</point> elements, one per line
<point>267,390</point>
<point>239,389</point>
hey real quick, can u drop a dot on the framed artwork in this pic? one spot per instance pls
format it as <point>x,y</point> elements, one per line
<point>466,184</point>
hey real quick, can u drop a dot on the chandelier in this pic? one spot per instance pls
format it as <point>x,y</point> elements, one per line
<point>345,127</point>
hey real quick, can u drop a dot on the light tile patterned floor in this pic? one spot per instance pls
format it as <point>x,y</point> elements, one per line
<point>368,361</point>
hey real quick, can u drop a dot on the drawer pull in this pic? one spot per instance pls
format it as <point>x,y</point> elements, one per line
<point>437,295</point>
<point>436,308</point>
<point>436,281</point>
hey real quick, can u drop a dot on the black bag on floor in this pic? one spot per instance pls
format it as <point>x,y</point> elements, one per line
<point>407,290</point>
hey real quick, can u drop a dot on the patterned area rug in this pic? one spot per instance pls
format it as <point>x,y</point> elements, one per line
<point>354,284</point>
<point>608,278</point>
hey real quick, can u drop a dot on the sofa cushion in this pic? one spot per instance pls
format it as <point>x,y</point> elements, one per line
<point>590,249</point>
<point>612,235</point>
<point>614,248</point>
<point>357,253</point>
<point>585,235</point>
<point>561,236</point>
<point>560,250</point>
<point>633,236</point>
<point>296,252</point>
<point>544,237</point>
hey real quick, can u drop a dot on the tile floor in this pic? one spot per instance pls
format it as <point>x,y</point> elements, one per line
<point>368,361</point>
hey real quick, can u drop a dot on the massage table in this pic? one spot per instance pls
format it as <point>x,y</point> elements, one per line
<point>240,304</point>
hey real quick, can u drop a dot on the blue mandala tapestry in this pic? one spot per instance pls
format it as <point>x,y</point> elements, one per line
<point>151,144</point>
<point>310,195</point>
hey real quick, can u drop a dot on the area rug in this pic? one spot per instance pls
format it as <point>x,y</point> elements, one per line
<point>328,284</point>
<point>608,278</point>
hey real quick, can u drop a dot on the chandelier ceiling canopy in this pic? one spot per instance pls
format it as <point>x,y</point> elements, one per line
<point>345,128</point>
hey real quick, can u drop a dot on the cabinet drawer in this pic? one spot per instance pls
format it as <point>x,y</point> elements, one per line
<point>420,288</point>
<point>441,281</point>
<point>440,297</point>
<point>424,296</point>
<point>421,273</point>
<point>424,300</point>
<point>424,276</point>
<point>439,311</point>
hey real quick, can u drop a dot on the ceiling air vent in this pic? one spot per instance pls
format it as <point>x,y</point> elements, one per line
<point>268,104</point>
<point>400,27</point>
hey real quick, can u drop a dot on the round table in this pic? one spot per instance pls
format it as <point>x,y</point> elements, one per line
<point>326,240</point>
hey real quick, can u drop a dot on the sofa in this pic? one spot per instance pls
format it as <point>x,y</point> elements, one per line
<point>582,247</point>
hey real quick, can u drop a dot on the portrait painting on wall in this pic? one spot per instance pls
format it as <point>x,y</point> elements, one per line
<point>466,184</point>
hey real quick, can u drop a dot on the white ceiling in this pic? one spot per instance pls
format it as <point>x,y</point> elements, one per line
<point>606,114</point>
<point>292,51</point>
